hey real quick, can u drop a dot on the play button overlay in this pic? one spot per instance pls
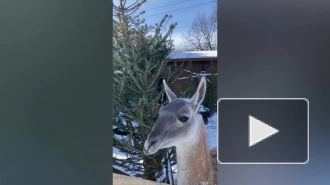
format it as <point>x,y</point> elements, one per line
<point>263,131</point>
<point>258,131</point>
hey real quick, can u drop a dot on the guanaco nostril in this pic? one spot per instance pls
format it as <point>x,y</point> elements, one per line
<point>152,143</point>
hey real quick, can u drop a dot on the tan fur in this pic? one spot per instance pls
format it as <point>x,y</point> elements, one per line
<point>198,170</point>
<point>214,162</point>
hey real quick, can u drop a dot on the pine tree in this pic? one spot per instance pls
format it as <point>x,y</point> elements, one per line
<point>140,63</point>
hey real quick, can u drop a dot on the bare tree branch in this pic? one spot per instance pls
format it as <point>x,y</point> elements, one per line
<point>202,33</point>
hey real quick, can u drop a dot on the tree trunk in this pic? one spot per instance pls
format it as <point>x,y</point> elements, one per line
<point>149,171</point>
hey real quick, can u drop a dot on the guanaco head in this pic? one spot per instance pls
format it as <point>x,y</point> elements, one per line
<point>177,122</point>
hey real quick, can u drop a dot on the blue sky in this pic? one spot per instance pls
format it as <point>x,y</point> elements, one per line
<point>183,12</point>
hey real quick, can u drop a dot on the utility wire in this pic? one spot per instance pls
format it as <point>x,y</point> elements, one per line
<point>167,5</point>
<point>182,27</point>
<point>180,9</point>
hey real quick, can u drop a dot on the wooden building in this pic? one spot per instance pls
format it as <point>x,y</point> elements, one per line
<point>198,62</point>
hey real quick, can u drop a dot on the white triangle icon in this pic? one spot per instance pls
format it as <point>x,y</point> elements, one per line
<point>259,131</point>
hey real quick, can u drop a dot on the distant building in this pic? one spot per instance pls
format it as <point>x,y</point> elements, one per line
<point>196,62</point>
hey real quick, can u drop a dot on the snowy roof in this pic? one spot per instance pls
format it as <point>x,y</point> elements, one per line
<point>193,54</point>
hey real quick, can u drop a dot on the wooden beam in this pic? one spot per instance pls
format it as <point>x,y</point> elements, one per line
<point>127,180</point>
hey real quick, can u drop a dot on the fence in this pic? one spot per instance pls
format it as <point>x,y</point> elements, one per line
<point>127,180</point>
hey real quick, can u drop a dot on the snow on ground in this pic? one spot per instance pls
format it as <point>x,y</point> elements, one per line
<point>123,170</point>
<point>118,155</point>
<point>211,131</point>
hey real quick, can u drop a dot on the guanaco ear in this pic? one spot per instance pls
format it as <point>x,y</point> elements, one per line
<point>199,95</point>
<point>170,95</point>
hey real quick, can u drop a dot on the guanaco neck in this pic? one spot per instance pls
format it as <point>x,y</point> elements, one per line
<point>193,161</point>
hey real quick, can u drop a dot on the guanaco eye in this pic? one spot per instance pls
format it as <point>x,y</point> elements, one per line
<point>183,118</point>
